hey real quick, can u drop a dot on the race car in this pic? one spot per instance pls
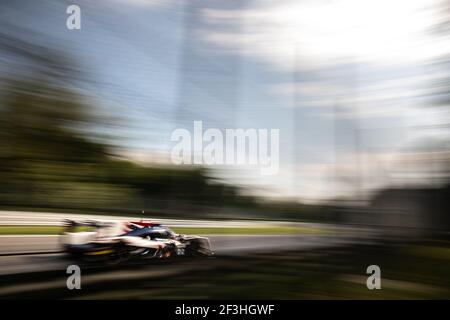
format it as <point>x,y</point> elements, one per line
<point>118,241</point>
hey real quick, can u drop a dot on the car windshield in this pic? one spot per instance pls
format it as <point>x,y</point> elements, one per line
<point>153,232</point>
<point>163,233</point>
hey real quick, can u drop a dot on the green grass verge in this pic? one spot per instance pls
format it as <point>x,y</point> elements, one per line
<point>34,230</point>
<point>267,230</point>
<point>260,230</point>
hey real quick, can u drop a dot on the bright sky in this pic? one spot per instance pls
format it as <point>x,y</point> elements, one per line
<point>325,72</point>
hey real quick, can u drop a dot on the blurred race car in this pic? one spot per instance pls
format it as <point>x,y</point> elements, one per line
<point>118,241</point>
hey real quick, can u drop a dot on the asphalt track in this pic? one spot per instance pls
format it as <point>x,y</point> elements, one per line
<point>32,267</point>
<point>22,254</point>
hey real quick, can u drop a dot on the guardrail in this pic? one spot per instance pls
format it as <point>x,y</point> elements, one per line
<point>54,219</point>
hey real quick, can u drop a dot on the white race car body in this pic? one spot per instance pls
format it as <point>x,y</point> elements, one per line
<point>130,239</point>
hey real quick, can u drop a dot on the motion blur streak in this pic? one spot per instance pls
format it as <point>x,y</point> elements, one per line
<point>360,91</point>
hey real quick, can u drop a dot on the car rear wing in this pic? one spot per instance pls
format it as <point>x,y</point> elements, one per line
<point>70,224</point>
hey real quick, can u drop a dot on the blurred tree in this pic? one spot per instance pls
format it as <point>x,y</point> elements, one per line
<point>47,160</point>
<point>38,121</point>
